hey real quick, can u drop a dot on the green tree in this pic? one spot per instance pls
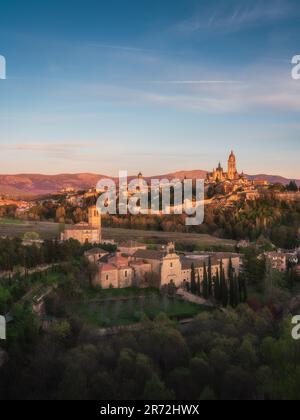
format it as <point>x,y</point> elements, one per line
<point>217,288</point>
<point>205,282</point>
<point>193,280</point>
<point>155,389</point>
<point>210,279</point>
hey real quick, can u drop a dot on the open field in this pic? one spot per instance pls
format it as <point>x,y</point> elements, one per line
<point>132,308</point>
<point>46,230</point>
<point>17,228</point>
<point>158,236</point>
<point>4,221</point>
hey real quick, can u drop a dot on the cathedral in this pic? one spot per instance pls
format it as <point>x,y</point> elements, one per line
<point>218,175</point>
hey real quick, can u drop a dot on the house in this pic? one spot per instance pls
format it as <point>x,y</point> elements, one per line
<point>277,260</point>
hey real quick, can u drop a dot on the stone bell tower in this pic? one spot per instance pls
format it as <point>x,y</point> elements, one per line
<point>95,220</point>
<point>232,171</point>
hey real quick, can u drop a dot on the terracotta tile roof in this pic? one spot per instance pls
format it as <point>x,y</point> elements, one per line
<point>108,267</point>
<point>148,254</point>
<point>95,251</point>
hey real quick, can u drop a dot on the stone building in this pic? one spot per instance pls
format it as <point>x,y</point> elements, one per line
<point>114,271</point>
<point>130,247</point>
<point>219,175</point>
<point>95,254</point>
<point>86,232</point>
<point>123,270</point>
<point>174,268</point>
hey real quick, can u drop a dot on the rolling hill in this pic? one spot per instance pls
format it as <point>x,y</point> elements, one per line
<point>24,185</point>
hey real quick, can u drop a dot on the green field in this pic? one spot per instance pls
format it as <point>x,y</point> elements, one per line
<point>115,311</point>
<point>17,228</point>
<point>11,222</point>
<point>48,230</point>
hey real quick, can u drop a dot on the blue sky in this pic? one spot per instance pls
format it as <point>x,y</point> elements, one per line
<point>157,86</point>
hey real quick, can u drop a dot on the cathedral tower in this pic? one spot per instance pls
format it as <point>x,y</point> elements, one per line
<point>232,171</point>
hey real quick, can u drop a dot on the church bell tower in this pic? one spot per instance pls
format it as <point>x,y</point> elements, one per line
<point>95,219</point>
<point>232,171</point>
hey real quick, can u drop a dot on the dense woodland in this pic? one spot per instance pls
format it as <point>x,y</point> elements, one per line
<point>276,220</point>
<point>241,353</point>
<point>14,254</point>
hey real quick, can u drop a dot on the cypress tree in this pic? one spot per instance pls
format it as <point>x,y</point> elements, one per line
<point>205,282</point>
<point>198,285</point>
<point>225,294</point>
<point>210,282</point>
<point>224,286</point>
<point>193,280</point>
<point>240,288</point>
<point>236,292</point>
<point>217,286</point>
<point>231,291</point>
<point>233,286</point>
<point>221,281</point>
<point>245,291</point>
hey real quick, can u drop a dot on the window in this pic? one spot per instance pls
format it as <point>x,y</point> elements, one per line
<point>126,274</point>
<point>171,265</point>
<point>107,277</point>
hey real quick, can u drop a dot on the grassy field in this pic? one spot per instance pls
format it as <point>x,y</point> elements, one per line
<point>115,311</point>
<point>11,222</point>
<point>17,228</point>
<point>156,237</point>
<point>46,230</point>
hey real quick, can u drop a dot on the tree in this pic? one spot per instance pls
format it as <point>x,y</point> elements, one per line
<point>223,286</point>
<point>292,186</point>
<point>155,389</point>
<point>198,285</point>
<point>5,299</point>
<point>217,287</point>
<point>208,395</point>
<point>210,281</point>
<point>31,236</point>
<point>60,214</point>
<point>193,280</point>
<point>205,283</point>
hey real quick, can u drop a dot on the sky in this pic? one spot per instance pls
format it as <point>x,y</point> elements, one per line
<point>149,85</point>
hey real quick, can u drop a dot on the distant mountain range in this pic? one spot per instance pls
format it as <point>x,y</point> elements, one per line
<point>24,185</point>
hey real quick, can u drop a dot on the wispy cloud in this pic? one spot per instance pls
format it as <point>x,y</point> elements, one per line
<point>265,92</point>
<point>65,151</point>
<point>234,15</point>
<point>194,82</point>
<point>46,147</point>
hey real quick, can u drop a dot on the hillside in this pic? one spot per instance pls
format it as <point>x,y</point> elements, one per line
<point>36,184</point>
<point>274,179</point>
